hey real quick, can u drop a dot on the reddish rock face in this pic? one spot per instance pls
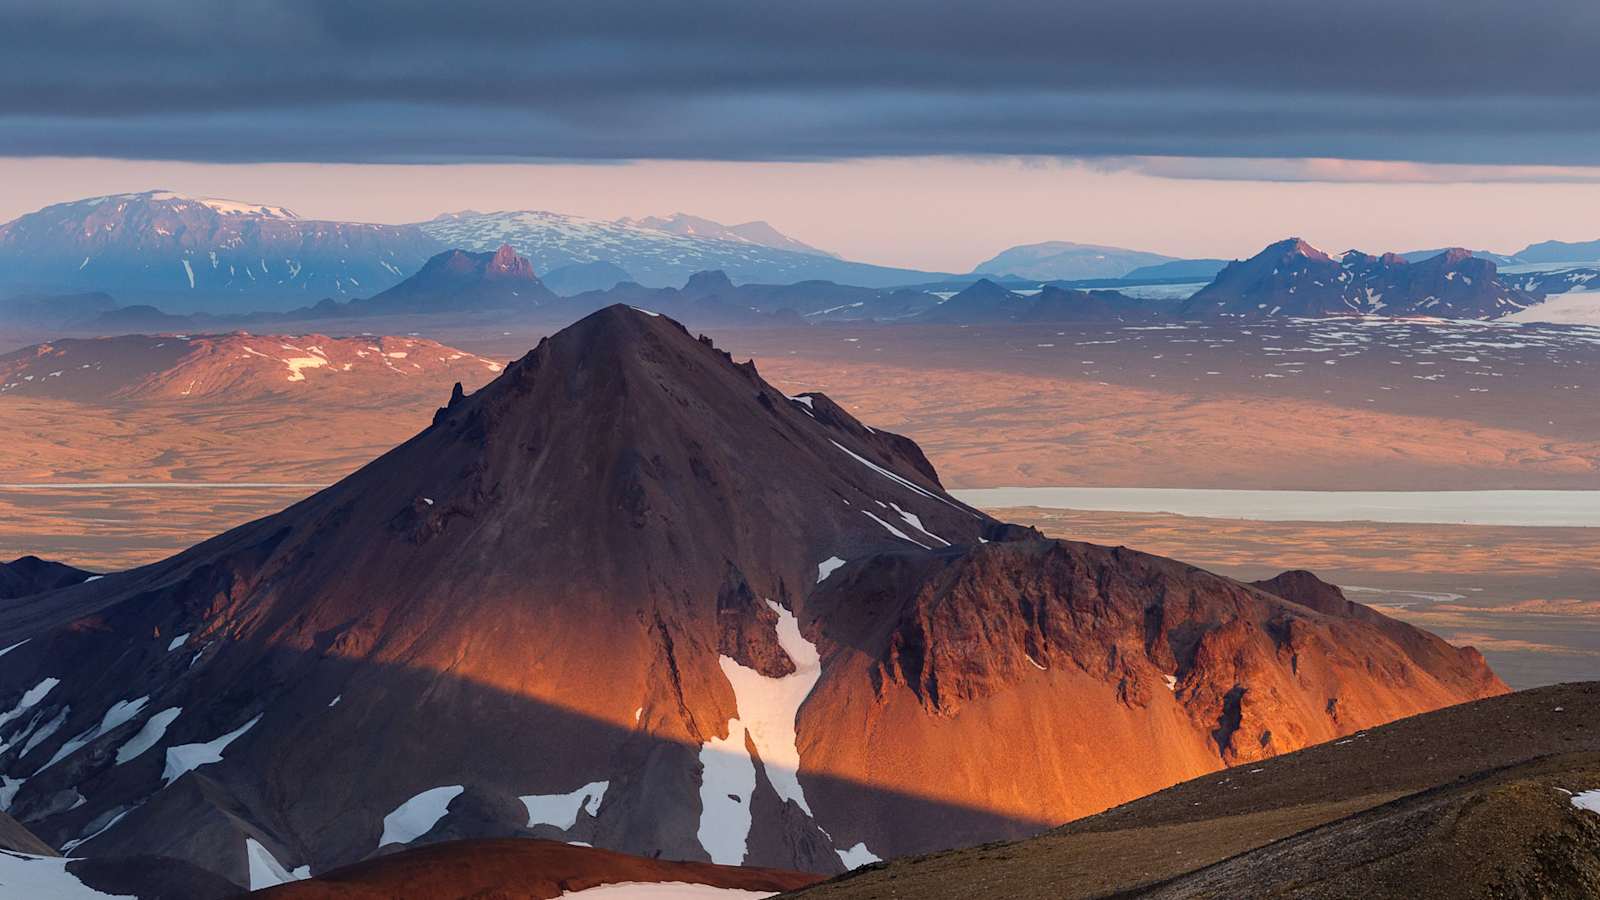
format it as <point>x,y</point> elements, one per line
<point>630,594</point>
<point>237,366</point>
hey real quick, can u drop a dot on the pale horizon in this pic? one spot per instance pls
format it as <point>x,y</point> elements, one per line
<point>932,213</point>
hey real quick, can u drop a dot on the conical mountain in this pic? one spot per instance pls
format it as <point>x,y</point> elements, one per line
<point>630,594</point>
<point>458,280</point>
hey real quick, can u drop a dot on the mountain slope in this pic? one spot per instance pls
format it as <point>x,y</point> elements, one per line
<point>461,281</point>
<point>1064,260</point>
<point>1474,801</point>
<point>1560,251</point>
<point>749,232</point>
<point>636,597</point>
<point>233,367</point>
<point>534,869</point>
<point>655,258</point>
<point>32,575</point>
<point>1292,278</point>
<point>195,253</point>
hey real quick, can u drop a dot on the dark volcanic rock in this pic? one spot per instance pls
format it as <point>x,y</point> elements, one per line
<point>532,869</point>
<point>32,575</point>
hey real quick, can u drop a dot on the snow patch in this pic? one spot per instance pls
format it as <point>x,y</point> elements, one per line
<point>895,531</point>
<point>155,728</point>
<point>858,856</point>
<point>266,871</point>
<point>1589,800</point>
<point>29,699</point>
<point>561,810</point>
<point>120,712</point>
<point>417,816</point>
<point>44,878</point>
<point>824,569</point>
<point>188,757</point>
<point>727,779</point>
<point>896,478</point>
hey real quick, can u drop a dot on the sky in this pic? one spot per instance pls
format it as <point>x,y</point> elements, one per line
<point>929,133</point>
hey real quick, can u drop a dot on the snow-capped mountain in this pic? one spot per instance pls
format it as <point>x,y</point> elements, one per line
<point>757,232</point>
<point>196,253</point>
<point>656,257</point>
<point>1293,278</point>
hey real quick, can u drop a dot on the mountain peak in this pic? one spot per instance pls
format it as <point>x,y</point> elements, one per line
<point>506,263</point>
<point>1295,247</point>
<point>708,283</point>
<point>461,279</point>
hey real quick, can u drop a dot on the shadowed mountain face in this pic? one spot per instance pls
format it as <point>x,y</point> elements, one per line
<point>227,256</point>
<point>1293,278</point>
<point>534,869</point>
<point>630,594</point>
<point>32,575</point>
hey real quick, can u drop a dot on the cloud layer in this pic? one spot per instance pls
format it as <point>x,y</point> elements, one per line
<point>1476,82</point>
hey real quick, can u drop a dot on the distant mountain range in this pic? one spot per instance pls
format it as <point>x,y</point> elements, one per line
<point>193,254</point>
<point>176,261</point>
<point>1293,278</point>
<point>654,255</point>
<point>1064,260</point>
<point>759,233</point>
<point>1287,279</point>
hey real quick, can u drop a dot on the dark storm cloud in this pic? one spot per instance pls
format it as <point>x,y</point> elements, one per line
<point>1427,80</point>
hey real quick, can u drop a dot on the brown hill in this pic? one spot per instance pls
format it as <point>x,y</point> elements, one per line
<point>630,594</point>
<point>1470,801</point>
<point>232,366</point>
<point>517,868</point>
